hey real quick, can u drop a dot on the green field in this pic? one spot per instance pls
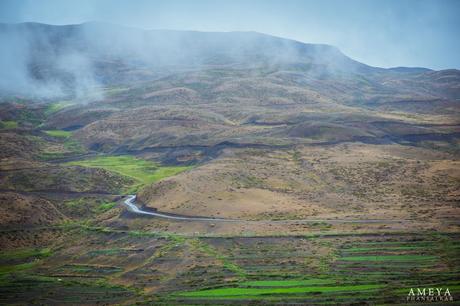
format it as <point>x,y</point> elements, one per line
<point>390,258</point>
<point>286,269</point>
<point>105,207</point>
<point>261,291</point>
<point>385,249</point>
<point>229,270</point>
<point>21,259</point>
<point>25,253</point>
<point>288,283</point>
<point>8,124</point>
<point>87,206</point>
<point>55,107</point>
<point>59,133</point>
<point>143,171</point>
<point>15,268</point>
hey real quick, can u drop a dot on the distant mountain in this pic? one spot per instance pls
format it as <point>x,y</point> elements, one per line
<point>410,69</point>
<point>48,60</point>
<point>168,47</point>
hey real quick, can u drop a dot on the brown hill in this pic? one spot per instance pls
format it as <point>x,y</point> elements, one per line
<point>17,210</point>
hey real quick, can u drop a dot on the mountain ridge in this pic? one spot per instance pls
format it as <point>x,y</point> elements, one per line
<point>73,59</point>
<point>131,28</point>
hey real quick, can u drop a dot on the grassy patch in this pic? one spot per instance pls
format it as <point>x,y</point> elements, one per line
<point>18,260</point>
<point>392,244</point>
<point>105,207</point>
<point>288,283</point>
<point>143,171</point>
<point>268,291</point>
<point>385,249</point>
<point>8,124</point>
<point>55,107</point>
<point>59,133</point>
<point>25,253</point>
<point>16,268</point>
<point>86,206</point>
<point>390,258</point>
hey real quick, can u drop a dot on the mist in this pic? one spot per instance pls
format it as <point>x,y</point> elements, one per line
<point>33,63</point>
<point>79,57</point>
<point>410,33</point>
<point>77,61</point>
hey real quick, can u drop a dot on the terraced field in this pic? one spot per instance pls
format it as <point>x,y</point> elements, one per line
<point>19,285</point>
<point>171,269</point>
<point>352,269</point>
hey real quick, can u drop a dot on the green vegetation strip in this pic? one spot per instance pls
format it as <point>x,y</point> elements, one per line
<point>59,133</point>
<point>384,249</point>
<point>9,259</point>
<point>146,172</point>
<point>54,107</point>
<point>8,124</point>
<point>390,258</point>
<point>15,268</point>
<point>423,243</point>
<point>105,207</point>
<point>267,291</point>
<point>288,283</point>
<point>84,204</point>
<point>25,253</point>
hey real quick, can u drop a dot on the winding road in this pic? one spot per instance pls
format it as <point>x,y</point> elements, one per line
<point>131,199</point>
<point>130,203</point>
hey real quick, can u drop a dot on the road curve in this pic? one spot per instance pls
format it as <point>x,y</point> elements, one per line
<point>129,202</point>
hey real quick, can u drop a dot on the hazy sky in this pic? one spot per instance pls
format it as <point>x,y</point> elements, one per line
<point>383,33</point>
